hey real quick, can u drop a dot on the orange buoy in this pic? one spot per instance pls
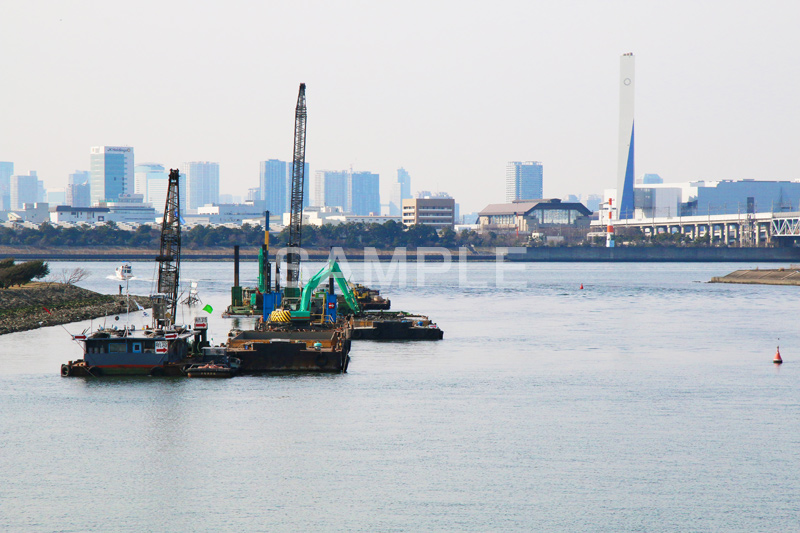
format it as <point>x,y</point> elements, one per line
<point>581,286</point>
<point>778,359</point>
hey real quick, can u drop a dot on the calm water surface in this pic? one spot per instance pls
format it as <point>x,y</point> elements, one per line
<point>646,401</point>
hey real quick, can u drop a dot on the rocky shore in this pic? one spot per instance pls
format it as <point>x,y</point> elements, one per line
<point>24,308</point>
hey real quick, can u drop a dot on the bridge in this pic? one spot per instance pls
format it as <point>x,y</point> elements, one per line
<point>742,229</point>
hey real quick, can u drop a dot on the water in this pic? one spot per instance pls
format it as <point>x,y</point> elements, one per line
<point>646,401</point>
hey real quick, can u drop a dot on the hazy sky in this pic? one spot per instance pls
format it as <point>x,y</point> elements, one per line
<point>449,90</point>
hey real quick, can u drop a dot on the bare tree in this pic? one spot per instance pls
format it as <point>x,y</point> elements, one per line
<point>71,277</point>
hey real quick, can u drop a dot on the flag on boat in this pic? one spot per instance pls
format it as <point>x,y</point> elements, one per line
<point>208,309</point>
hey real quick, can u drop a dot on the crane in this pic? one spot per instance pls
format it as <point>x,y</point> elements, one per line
<point>296,208</point>
<point>165,301</point>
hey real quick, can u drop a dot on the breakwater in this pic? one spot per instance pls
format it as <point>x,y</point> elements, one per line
<point>779,276</point>
<point>48,304</point>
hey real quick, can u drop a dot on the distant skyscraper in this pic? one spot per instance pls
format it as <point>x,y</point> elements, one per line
<point>401,190</point>
<point>524,180</point>
<point>330,188</point>
<point>272,184</point>
<point>111,173</point>
<point>6,171</point>
<point>24,190</point>
<point>78,193</point>
<point>363,193</point>
<point>152,182</point>
<point>202,183</point>
<point>624,203</point>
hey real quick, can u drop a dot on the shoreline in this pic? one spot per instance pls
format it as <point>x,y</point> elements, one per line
<point>26,308</point>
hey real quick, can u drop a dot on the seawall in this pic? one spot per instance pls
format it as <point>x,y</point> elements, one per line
<point>656,254</point>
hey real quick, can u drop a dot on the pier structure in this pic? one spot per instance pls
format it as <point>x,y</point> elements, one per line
<point>742,229</point>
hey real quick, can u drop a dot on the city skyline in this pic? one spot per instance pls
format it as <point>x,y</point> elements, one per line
<point>716,103</point>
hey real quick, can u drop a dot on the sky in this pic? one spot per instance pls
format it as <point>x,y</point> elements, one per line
<point>449,90</point>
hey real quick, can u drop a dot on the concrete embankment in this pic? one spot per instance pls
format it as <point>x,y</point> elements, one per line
<point>780,276</point>
<point>656,254</point>
<point>26,307</point>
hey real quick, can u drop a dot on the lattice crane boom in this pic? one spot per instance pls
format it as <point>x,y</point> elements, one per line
<point>298,175</point>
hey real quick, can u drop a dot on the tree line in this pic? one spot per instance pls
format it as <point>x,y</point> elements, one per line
<point>390,234</point>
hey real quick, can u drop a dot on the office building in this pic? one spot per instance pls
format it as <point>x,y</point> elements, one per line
<point>401,190</point>
<point>78,193</point>
<point>273,178</point>
<point>363,193</point>
<point>24,190</point>
<point>202,183</point>
<point>111,169</point>
<point>330,188</point>
<point>152,182</point>
<point>436,212</point>
<point>6,171</point>
<point>524,180</point>
<point>624,199</point>
<point>353,192</point>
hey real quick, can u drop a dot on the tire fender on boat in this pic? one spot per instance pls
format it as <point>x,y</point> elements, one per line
<point>65,370</point>
<point>321,360</point>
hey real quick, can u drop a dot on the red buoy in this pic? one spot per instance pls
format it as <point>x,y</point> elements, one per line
<point>778,359</point>
<point>581,286</point>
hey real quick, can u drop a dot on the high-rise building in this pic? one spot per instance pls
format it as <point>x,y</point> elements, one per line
<point>111,173</point>
<point>24,190</point>
<point>78,193</point>
<point>152,182</point>
<point>202,183</point>
<point>524,180</point>
<point>353,192</point>
<point>624,201</point>
<point>401,190</point>
<point>330,188</point>
<point>272,184</point>
<point>6,171</point>
<point>363,193</point>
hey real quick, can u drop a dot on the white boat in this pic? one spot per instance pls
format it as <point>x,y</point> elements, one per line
<point>124,271</point>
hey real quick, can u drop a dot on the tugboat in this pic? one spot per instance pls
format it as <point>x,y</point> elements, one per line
<point>164,348</point>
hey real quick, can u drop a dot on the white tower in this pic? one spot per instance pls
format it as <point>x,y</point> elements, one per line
<point>624,201</point>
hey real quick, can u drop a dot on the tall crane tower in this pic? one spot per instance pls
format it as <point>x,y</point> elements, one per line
<point>165,302</point>
<point>296,209</point>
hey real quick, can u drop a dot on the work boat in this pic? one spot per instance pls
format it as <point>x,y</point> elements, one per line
<point>148,351</point>
<point>163,348</point>
<point>124,272</point>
